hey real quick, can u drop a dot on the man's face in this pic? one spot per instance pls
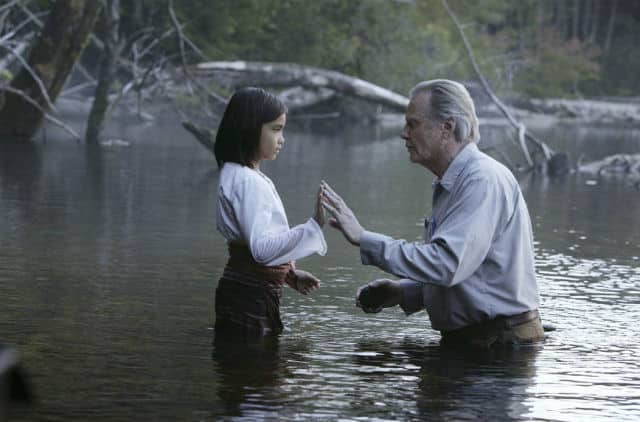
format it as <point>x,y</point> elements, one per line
<point>423,137</point>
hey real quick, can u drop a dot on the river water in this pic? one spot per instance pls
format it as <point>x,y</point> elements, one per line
<point>109,260</point>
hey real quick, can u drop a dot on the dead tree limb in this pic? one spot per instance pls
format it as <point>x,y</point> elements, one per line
<point>45,115</point>
<point>40,24</point>
<point>289,74</point>
<point>204,136</point>
<point>182,39</point>
<point>109,23</point>
<point>52,57</point>
<point>32,73</point>
<point>522,131</point>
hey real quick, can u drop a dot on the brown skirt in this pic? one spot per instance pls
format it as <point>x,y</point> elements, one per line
<point>248,296</point>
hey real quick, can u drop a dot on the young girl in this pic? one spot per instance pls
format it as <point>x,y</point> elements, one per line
<point>251,217</point>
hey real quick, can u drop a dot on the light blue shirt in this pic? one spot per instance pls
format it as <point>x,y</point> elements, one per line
<point>476,261</point>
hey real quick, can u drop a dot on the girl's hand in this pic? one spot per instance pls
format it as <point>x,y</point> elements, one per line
<point>303,281</point>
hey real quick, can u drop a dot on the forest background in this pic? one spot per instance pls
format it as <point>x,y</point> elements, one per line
<point>526,49</point>
<point>536,48</point>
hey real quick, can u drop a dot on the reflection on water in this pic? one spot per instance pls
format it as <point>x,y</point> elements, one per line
<point>109,260</point>
<point>250,376</point>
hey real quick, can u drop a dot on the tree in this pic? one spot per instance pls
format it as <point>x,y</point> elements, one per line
<point>109,29</point>
<point>53,55</point>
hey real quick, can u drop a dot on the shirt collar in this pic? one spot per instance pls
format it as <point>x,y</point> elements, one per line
<point>455,168</point>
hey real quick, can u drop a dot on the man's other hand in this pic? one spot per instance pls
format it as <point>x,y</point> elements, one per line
<point>378,294</point>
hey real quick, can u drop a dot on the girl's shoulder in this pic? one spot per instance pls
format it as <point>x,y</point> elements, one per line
<point>234,176</point>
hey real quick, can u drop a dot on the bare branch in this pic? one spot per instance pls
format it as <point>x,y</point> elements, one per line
<point>178,28</point>
<point>6,61</point>
<point>185,69</point>
<point>522,134</point>
<point>36,78</point>
<point>9,5</point>
<point>75,88</point>
<point>47,116</point>
<point>15,30</point>
<point>40,24</point>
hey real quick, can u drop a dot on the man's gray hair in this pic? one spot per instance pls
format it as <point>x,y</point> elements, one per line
<point>451,99</point>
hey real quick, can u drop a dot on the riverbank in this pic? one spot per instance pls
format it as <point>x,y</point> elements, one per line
<point>534,113</point>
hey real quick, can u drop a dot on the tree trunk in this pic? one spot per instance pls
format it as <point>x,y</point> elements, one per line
<point>612,19</point>
<point>287,74</point>
<point>110,35</point>
<point>586,19</point>
<point>595,22</point>
<point>52,57</point>
<point>575,20</point>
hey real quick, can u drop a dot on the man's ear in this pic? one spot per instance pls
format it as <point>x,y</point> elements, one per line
<point>449,126</point>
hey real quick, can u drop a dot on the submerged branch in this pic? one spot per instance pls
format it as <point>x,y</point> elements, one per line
<point>32,73</point>
<point>46,116</point>
<point>522,133</point>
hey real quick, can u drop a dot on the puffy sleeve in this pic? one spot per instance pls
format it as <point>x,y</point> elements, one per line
<point>264,227</point>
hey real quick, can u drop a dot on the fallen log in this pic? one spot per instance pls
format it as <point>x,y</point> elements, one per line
<point>627,165</point>
<point>205,137</point>
<point>289,74</point>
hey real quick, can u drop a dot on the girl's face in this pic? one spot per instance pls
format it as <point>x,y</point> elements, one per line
<point>272,138</point>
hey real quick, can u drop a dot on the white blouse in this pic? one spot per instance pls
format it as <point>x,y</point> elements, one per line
<point>250,211</point>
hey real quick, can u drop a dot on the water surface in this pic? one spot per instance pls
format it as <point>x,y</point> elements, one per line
<point>109,260</point>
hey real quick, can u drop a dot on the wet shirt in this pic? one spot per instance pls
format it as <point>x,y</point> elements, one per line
<point>249,211</point>
<point>476,261</point>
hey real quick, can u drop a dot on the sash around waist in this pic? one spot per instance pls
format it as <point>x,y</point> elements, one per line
<point>241,264</point>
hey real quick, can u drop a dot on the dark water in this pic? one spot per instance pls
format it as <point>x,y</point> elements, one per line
<point>109,261</point>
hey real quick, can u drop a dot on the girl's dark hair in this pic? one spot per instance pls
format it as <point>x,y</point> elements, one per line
<point>238,137</point>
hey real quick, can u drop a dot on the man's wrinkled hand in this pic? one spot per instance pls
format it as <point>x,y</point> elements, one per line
<point>342,218</point>
<point>319,213</point>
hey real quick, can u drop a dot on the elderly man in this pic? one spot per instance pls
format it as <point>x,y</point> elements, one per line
<point>474,272</point>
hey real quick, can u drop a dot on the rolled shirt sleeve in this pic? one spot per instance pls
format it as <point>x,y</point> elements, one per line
<point>412,296</point>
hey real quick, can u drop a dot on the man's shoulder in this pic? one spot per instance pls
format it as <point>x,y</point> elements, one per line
<point>484,167</point>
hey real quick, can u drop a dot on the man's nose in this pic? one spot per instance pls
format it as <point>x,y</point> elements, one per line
<point>405,133</point>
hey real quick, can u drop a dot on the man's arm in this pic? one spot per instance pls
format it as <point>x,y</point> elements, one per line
<point>457,248</point>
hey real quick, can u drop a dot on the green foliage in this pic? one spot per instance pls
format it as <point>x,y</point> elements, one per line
<point>528,47</point>
<point>5,75</point>
<point>558,68</point>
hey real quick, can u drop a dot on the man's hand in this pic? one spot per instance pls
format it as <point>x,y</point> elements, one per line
<point>303,281</point>
<point>319,214</point>
<point>378,294</point>
<point>342,218</point>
